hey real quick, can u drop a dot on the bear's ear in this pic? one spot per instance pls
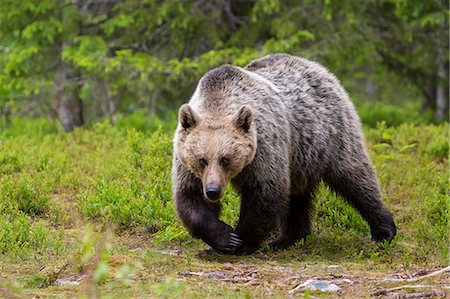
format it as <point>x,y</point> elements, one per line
<point>243,118</point>
<point>187,116</point>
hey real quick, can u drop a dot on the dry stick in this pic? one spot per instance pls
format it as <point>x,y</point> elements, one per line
<point>422,295</point>
<point>440,271</point>
<point>419,286</point>
<point>446,269</point>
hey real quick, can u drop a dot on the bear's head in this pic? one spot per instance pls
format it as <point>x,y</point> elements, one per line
<point>215,150</point>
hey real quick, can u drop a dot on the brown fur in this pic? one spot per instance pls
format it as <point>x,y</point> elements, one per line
<point>282,124</point>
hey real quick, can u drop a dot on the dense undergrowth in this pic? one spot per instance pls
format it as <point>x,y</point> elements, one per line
<point>56,187</point>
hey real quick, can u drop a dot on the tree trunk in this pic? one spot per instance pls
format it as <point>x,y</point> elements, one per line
<point>428,90</point>
<point>109,103</point>
<point>69,107</point>
<point>441,93</point>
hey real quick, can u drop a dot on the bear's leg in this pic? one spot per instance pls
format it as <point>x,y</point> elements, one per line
<point>260,212</point>
<point>297,224</point>
<point>201,218</point>
<point>359,186</point>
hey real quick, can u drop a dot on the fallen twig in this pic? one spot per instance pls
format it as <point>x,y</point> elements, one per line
<point>191,273</point>
<point>419,286</point>
<point>421,295</point>
<point>447,269</point>
<point>440,271</point>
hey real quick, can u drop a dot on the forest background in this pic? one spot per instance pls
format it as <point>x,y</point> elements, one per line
<point>81,61</point>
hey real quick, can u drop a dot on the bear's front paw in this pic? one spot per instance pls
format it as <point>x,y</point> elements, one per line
<point>234,244</point>
<point>385,232</point>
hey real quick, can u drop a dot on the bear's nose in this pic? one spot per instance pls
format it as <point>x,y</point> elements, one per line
<point>213,192</point>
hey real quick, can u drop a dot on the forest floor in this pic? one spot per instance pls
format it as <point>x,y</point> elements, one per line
<point>90,214</point>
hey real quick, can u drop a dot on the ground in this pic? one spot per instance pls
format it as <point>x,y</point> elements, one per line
<point>90,214</point>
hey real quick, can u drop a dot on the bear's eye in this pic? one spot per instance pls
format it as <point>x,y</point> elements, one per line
<point>224,162</point>
<point>202,162</point>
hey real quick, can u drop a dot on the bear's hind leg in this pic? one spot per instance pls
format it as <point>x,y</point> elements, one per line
<point>297,223</point>
<point>359,186</point>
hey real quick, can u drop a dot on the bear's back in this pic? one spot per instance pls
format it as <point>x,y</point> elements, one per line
<point>310,92</point>
<point>298,76</point>
<point>323,120</point>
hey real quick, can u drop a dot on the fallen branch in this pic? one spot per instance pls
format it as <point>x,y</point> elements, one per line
<point>440,271</point>
<point>422,295</point>
<point>419,286</point>
<point>447,269</point>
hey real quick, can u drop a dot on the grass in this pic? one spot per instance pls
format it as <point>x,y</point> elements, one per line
<point>90,213</point>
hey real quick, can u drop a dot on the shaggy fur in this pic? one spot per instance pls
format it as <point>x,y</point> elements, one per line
<point>274,129</point>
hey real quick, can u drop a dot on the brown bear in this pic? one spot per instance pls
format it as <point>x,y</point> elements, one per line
<point>275,129</point>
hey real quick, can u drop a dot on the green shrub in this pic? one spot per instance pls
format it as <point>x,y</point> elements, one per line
<point>20,237</point>
<point>433,224</point>
<point>141,196</point>
<point>141,121</point>
<point>335,214</point>
<point>122,176</point>
<point>9,163</point>
<point>372,113</point>
<point>26,126</point>
<point>30,195</point>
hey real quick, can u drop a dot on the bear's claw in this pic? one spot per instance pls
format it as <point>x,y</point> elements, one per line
<point>279,246</point>
<point>235,240</point>
<point>385,231</point>
<point>387,235</point>
<point>234,243</point>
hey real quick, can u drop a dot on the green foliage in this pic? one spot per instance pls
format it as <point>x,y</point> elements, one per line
<point>20,126</point>
<point>24,195</point>
<point>169,288</point>
<point>411,159</point>
<point>392,115</point>
<point>407,38</point>
<point>22,238</point>
<point>332,211</point>
<point>31,197</point>
<point>141,121</point>
<point>172,233</point>
<point>99,201</point>
<point>231,207</point>
<point>141,195</point>
<point>122,176</point>
<point>131,55</point>
<point>10,164</point>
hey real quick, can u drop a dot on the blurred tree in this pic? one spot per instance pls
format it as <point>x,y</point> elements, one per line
<point>410,38</point>
<point>81,59</point>
<point>32,35</point>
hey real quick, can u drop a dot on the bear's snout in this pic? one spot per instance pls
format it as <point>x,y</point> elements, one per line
<point>213,192</point>
<point>214,181</point>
